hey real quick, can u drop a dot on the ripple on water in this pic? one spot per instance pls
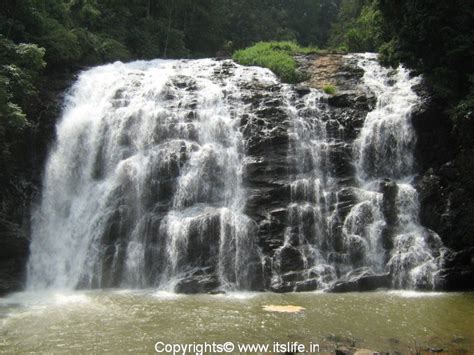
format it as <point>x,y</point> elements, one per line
<point>117,321</point>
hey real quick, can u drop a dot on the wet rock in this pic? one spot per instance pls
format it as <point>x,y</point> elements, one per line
<point>458,271</point>
<point>217,292</point>
<point>365,352</point>
<point>445,188</point>
<point>365,102</point>
<point>283,287</point>
<point>302,90</point>
<point>307,285</point>
<point>12,275</point>
<point>362,284</point>
<point>279,215</point>
<point>390,192</point>
<point>390,211</point>
<point>435,350</point>
<point>344,99</point>
<point>435,144</point>
<point>203,240</point>
<point>344,351</point>
<point>293,276</point>
<point>223,54</point>
<point>205,283</point>
<point>291,259</point>
<point>346,198</point>
<point>444,208</point>
<point>358,273</point>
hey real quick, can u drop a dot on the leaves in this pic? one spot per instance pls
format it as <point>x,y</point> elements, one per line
<point>276,56</point>
<point>358,27</point>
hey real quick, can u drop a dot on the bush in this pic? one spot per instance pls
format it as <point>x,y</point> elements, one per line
<point>276,56</point>
<point>330,89</point>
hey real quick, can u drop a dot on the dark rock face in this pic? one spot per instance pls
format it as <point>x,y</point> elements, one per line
<point>13,258</point>
<point>201,281</point>
<point>275,158</point>
<point>363,284</point>
<point>266,176</point>
<point>445,186</point>
<point>458,271</point>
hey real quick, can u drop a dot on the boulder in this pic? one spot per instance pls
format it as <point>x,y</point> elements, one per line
<point>290,259</point>
<point>302,90</point>
<point>343,99</point>
<point>205,283</point>
<point>458,271</point>
<point>363,284</point>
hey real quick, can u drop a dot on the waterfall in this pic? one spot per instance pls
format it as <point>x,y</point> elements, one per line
<point>353,209</point>
<point>144,185</point>
<point>385,149</point>
<point>201,175</point>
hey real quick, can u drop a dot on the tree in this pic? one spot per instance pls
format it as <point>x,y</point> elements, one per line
<point>358,27</point>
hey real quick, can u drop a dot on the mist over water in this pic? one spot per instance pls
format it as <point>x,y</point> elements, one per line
<point>147,184</point>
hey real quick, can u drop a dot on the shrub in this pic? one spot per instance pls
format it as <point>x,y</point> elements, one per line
<point>276,56</point>
<point>329,89</point>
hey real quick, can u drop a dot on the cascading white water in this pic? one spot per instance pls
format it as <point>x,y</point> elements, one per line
<point>197,175</point>
<point>144,183</point>
<point>375,235</point>
<point>385,149</point>
<point>310,188</point>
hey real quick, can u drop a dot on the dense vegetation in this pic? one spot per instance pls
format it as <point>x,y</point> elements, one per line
<point>437,39</point>
<point>276,56</point>
<point>40,39</point>
<point>358,27</point>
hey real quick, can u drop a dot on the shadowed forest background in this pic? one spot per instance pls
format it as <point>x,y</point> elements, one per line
<point>43,43</point>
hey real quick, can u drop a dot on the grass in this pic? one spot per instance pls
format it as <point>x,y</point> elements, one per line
<point>276,56</point>
<point>330,89</point>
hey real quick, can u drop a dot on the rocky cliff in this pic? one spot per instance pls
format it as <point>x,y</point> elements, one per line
<point>285,206</point>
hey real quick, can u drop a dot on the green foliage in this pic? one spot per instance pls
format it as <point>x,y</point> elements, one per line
<point>12,117</point>
<point>30,57</point>
<point>311,20</point>
<point>250,21</point>
<point>463,117</point>
<point>433,37</point>
<point>61,44</point>
<point>330,89</point>
<point>276,56</point>
<point>358,27</point>
<point>388,53</point>
<point>20,67</point>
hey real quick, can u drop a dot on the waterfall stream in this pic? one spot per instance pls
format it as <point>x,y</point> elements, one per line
<point>201,175</point>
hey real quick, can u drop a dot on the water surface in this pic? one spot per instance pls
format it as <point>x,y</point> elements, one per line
<point>131,321</point>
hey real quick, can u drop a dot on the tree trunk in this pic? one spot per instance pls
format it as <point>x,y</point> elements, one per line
<point>168,32</point>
